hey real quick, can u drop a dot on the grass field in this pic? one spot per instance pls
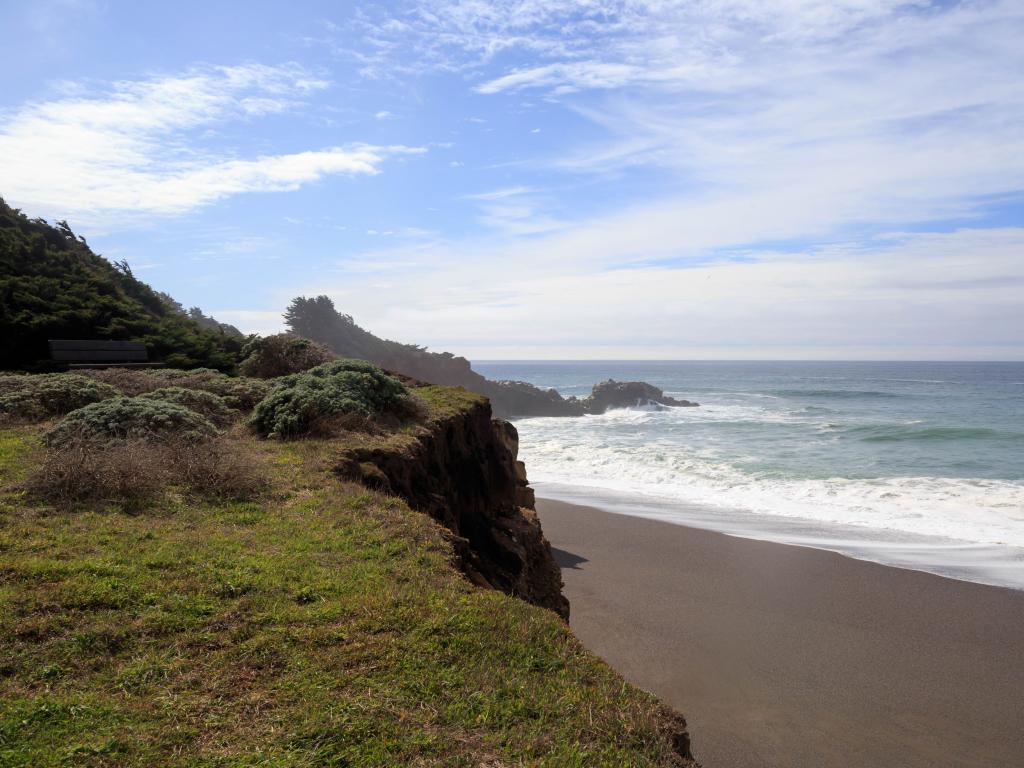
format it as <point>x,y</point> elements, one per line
<point>319,625</point>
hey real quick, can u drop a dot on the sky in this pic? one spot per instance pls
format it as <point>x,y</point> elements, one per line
<point>718,179</point>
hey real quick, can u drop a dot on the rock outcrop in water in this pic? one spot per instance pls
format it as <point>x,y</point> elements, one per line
<point>522,399</point>
<point>628,394</point>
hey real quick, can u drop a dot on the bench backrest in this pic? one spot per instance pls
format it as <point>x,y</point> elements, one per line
<point>97,351</point>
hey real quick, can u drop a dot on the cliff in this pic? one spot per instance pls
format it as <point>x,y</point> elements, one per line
<point>461,468</point>
<point>318,622</point>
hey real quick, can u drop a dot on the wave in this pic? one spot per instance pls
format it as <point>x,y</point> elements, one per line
<point>984,511</point>
<point>838,394</point>
<point>894,433</point>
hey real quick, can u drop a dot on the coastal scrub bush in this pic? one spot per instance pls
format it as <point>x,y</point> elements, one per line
<point>127,381</point>
<point>171,374</point>
<point>300,402</point>
<point>39,396</point>
<point>222,467</point>
<point>136,470</point>
<point>131,471</point>
<point>202,402</point>
<point>127,417</point>
<point>239,393</point>
<point>267,357</point>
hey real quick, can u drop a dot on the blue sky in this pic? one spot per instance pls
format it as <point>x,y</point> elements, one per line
<point>714,179</point>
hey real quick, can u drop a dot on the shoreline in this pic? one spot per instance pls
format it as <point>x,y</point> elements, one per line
<point>783,654</point>
<point>973,562</point>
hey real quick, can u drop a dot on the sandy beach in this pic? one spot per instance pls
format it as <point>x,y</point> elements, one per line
<point>787,656</point>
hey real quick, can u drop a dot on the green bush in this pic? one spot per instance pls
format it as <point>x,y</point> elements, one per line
<point>130,417</point>
<point>345,365</point>
<point>281,354</point>
<point>51,394</point>
<point>242,394</point>
<point>238,392</point>
<point>300,401</point>
<point>171,374</point>
<point>202,402</point>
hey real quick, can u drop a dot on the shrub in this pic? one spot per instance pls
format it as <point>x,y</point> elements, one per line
<point>127,381</point>
<point>136,470</point>
<point>10,382</point>
<point>344,365</point>
<point>282,354</point>
<point>242,394</point>
<point>202,402</point>
<point>127,417</point>
<point>170,374</point>
<point>239,393</point>
<point>220,467</point>
<point>300,402</point>
<point>52,394</point>
<point>131,471</point>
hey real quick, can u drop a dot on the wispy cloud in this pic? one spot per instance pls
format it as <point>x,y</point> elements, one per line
<point>498,194</point>
<point>901,108</point>
<point>911,295</point>
<point>135,147</point>
<point>735,123</point>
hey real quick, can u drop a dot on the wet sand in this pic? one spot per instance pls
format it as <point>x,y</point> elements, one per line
<point>788,656</point>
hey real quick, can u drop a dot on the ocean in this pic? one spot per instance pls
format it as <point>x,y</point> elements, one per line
<point>914,464</point>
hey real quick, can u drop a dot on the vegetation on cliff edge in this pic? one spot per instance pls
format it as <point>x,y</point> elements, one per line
<point>316,624</point>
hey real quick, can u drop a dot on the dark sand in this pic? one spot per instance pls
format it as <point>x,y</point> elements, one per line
<point>787,656</point>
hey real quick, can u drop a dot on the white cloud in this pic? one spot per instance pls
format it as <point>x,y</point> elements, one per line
<point>901,109</point>
<point>498,194</point>
<point>798,121</point>
<point>569,76</point>
<point>516,211</point>
<point>383,115</point>
<point>934,295</point>
<point>132,149</point>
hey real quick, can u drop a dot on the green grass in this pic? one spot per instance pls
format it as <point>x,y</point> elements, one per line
<point>443,402</point>
<point>321,626</point>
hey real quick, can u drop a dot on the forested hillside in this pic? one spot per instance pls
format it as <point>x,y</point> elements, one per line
<point>317,319</point>
<point>52,286</point>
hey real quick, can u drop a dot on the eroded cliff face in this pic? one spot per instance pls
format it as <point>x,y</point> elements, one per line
<point>462,470</point>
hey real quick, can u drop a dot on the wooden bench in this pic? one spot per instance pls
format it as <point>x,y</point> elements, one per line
<point>93,353</point>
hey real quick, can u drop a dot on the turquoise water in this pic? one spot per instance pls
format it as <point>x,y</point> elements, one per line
<point>881,460</point>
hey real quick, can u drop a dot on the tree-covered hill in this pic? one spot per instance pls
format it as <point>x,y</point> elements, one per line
<point>319,320</point>
<point>52,286</point>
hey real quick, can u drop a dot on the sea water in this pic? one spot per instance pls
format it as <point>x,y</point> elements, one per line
<point>917,464</point>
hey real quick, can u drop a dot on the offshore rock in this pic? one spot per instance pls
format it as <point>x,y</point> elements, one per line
<point>629,394</point>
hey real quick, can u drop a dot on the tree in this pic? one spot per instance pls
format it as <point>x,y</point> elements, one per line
<point>313,318</point>
<point>52,286</point>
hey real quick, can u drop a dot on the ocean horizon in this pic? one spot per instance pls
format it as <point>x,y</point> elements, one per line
<point>916,464</point>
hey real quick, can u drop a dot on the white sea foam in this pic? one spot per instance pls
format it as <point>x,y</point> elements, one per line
<point>913,464</point>
<point>639,452</point>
